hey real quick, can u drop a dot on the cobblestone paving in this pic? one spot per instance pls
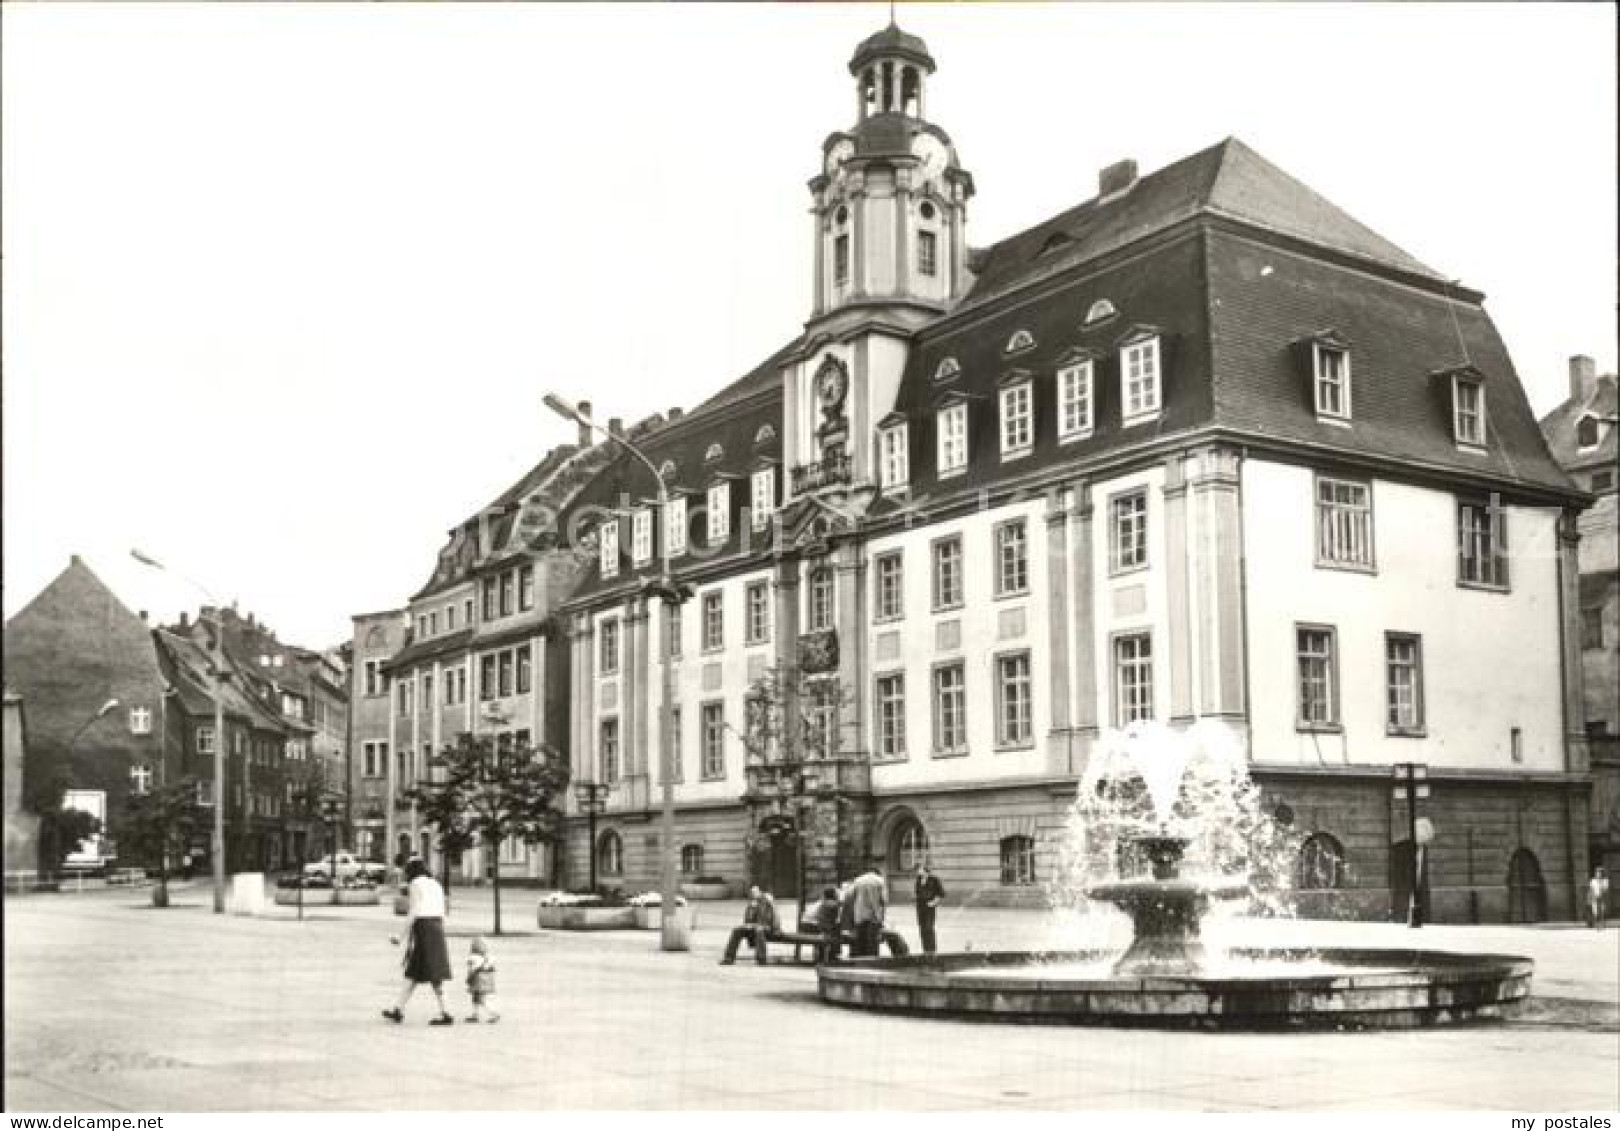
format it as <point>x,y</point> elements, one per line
<point>113,1006</point>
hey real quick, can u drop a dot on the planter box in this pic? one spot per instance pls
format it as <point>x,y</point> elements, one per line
<point>588,918</point>
<point>358,897</point>
<point>313,897</point>
<point>706,891</point>
<point>651,919</point>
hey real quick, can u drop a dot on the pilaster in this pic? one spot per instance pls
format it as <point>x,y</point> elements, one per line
<point>1060,747</point>
<point>850,571</point>
<point>1178,599</point>
<point>787,645</point>
<point>1084,588</point>
<point>1577,752</point>
<point>637,703</point>
<point>1216,567</point>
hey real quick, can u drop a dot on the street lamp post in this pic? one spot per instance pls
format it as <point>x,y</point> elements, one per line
<point>593,799</point>
<point>669,937</point>
<point>218,679</point>
<point>1411,777</point>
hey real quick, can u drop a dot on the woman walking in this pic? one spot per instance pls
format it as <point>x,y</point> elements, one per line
<point>427,959</point>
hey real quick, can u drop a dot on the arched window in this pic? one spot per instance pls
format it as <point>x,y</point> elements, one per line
<point>610,854</point>
<point>1020,341</point>
<point>908,848</point>
<point>1100,310</point>
<point>1320,865</point>
<point>764,436</point>
<point>668,470</point>
<point>1527,892</point>
<point>1017,860</point>
<point>691,860</point>
<point>947,369</point>
<point>715,454</point>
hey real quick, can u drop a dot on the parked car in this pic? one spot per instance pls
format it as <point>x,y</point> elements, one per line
<point>349,867</point>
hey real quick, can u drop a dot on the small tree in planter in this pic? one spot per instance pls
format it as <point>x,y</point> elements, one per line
<point>488,792</point>
<point>62,832</point>
<point>157,825</point>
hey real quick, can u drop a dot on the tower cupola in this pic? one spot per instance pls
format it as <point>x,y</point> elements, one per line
<point>890,70</point>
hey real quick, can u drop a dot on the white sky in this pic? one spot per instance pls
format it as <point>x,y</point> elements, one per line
<point>283,285</point>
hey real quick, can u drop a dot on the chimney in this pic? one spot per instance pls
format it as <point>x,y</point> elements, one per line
<point>185,621</point>
<point>1116,178</point>
<point>75,560</point>
<point>674,415</point>
<point>143,616</point>
<point>584,431</point>
<point>1582,377</point>
<point>616,425</point>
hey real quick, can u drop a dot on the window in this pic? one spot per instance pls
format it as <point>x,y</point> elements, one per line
<point>714,624</point>
<point>374,759</point>
<point>952,439</point>
<point>1344,530</point>
<point>140,778</point>
<point>910,847</point>
<point>607,752</point>
<point>1017,420</point>
<point>719,513</point>
<point>757,624</point>
<point>891,716</point>
<point>609,552</point>
<point>1020,341</point>
<point>1074,401</point>
<point>140,720</point>
<point>675,526</point>
<point>486,677</point>
<point>433,629</point>
<point>1468,411</point>
<point>450,615</point>
<point>1017,861</point>
<point>608,652</point>
<point>1139,374</point>
<point>841,259</point>
<point>947,369</point>
<point>890,581</point>
<point>404,698</point>
<point>1591,628</point>
<point>948,573</point>
<point>1012,558</point>
<point>675,755</point>
<point>525,670</point>
<point>609,854</point>
<point>1098,311</point>
<point>762,489</point>
<point>376,678</point>
<point>507,672</point>
<point>205,794</point>
<point>714,453</point>
<point>449,687</point>
<point>1403,681</point>
<point>713,721</point>
<point>1133,678</point>
<point>1127,531</point>
<point>950,710</point>
<point>821,599</point>
<point>1318,678</point>
<point>1586,432</point>
<point>421,630</point>
<point>1602,480</point>
<point>1014,725</point>
<point>893,464</point>
<point>764,436</point>
<point>467,609</point>
<point>508,593</point>
<point>1321,864</point>
<point>1482,544</point>
<point>691,859</point>
<point>490,594</point>
<point>1332,371</point>
<point>641,536</point>
<point>927,253</point>
<point>673,622</point>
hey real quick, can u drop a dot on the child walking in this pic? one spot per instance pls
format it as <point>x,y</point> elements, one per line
<point>481,981</point>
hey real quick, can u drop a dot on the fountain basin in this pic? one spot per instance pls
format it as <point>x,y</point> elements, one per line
<point>1385,989</point>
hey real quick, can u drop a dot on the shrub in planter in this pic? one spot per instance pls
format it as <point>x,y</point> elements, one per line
<point>649,908</point>
<point>706,887</point>
<point>585,911</point>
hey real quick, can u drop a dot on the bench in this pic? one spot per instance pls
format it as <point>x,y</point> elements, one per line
<point>805,936</point>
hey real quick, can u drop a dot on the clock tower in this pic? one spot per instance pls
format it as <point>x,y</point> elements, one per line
<point>889,209</point>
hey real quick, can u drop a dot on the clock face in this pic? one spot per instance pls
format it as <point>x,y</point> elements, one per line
<point>831,383</point>
<point>841,152</point>
<point>932,154</point>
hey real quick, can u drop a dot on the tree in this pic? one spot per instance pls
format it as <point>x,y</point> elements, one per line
<point>488,790</point>
<point>158,825</point>
<point>61,831</point>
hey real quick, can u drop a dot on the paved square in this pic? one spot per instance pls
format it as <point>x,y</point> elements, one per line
<point>113,1006</point>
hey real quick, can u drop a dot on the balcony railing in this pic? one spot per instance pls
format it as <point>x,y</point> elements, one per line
<point>834,469</point>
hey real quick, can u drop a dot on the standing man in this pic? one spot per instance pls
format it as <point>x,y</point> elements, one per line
<point>871,898</point>
<point>930,894</point>
<point>1597,897</point>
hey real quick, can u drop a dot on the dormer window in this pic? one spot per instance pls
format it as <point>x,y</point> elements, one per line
<point>1586,432</point>
<point>762,491</point>
<point>1468,410</point>
<point>952,434</point>
<point>668,471</point>
<point>1140,395</point>
<point>764,436</point>
<point>1076,399</point>
<point>1017,416</point>
<point>675,525</point>
<point>947,369</point>
<point>719,513</point>
<point>641,530</point>
<point>608,548</point>
<point>1019,342</point>
<point>893,457</point>
<point>1099,311</point>
<point>1330,377</point>
<point>715,454</point>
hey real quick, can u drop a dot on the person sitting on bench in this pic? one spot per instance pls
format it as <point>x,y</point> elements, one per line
<point>825,918</point>
<point>759,920</point>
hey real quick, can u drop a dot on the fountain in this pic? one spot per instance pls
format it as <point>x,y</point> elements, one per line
<point>1165,827</point>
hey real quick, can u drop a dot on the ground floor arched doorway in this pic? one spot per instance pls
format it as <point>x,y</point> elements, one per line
<point>1527,891</point>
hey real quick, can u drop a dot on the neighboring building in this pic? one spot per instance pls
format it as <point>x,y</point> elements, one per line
<point>1582,433</point>
<point>21,827</point>
<point>373,809</point>
<point>1201,447</point>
